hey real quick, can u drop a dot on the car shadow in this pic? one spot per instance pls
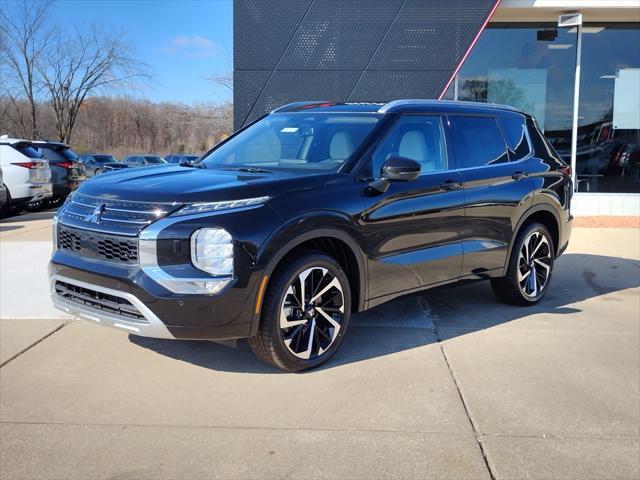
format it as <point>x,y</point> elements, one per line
<point>431,316</point>
<point>24,216</point>
<point>8,228</point>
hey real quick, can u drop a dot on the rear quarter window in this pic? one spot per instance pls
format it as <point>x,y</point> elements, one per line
<point>514,130</point>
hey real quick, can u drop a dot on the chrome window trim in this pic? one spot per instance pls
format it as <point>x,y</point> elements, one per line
<point>155,328</point>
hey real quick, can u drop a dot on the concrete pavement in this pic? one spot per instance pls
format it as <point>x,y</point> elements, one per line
<point>447,384</point>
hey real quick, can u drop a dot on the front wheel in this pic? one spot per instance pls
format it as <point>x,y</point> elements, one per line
<point>530,267</point>
<point>305,313</point>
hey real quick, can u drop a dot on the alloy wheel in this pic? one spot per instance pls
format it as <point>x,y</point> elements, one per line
<point>534,264</point>
<point>311,313</point>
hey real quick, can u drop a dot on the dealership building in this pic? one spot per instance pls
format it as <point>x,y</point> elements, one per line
<point>575,65</point>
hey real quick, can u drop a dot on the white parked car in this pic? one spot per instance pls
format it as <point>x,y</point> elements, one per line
<point>25,172</point>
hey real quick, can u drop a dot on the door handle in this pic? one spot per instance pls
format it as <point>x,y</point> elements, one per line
<point>519,175</point>
<point>450,185</point>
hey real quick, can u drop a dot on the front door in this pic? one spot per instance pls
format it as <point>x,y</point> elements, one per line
<point>413,229</point>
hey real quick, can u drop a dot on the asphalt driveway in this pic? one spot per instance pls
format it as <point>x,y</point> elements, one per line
<point>448,384</point>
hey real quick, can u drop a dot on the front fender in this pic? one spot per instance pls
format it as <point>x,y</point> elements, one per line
<point>308,226</point>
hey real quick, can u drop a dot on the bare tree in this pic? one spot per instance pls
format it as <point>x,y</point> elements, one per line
<point>84,63</point>
<point>23,41</point>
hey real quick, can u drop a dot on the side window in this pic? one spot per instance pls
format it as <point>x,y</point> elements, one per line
<point>418,137</point>
<point>477,141</point>
<point>513,126</point>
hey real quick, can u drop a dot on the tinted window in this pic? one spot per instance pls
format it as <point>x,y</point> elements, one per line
<point>477,141</point>
<point>418,137</point>
<point>27,150</point>
<point>513,128</point>
<point>154,160</point>
<point>58,154</point>
<point>103,158</point>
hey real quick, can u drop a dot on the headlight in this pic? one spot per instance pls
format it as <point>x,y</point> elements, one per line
<point>223,205</point>
<point>212,251</point>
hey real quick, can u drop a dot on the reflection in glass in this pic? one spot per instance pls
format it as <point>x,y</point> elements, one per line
<point>532,67</point>
<point>608,154</point>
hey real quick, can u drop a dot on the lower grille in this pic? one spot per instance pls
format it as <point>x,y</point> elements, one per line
<point>100,302</point>
<point>98,245</point>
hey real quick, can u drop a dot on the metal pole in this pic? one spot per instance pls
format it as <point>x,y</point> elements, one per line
<point>455,88</point>
<point>576,105</point>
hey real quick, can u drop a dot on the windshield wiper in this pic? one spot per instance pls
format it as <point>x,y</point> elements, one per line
<point>249,169</point>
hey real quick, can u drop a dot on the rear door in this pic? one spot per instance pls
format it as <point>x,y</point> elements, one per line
<point>413,229</point>
<point>496,191</point>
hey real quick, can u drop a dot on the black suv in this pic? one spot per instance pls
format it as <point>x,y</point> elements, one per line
<point>311,213</point>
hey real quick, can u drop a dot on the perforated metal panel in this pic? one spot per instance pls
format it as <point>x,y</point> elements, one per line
<point>431,35</point>
<point>331,36</point>
<point>383,86</point>
<point>262,29</point>
<point>347,50</point>
<point>291,86</point>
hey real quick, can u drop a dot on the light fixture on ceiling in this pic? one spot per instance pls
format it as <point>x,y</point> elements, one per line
<point>608,76</point>
<point>559,46</point>
<point>587,29</point>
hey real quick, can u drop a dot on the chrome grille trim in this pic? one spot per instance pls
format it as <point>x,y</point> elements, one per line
<point>118,217</point>
<point>96,300</point>
<point>153,326</point>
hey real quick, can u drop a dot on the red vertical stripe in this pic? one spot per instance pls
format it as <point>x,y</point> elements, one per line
<point>466,54</point>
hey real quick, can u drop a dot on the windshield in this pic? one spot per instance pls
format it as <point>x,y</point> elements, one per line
<point>153,159</point>
<point>294,141</point>
<point>103,158</point>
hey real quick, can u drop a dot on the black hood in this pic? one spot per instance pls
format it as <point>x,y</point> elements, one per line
<point>172,183</point>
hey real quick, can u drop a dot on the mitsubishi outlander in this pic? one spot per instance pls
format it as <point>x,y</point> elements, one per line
<point>316,211</point>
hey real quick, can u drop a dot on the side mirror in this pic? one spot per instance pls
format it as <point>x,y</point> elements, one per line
<point>400,169</point>
<point>396,169</point>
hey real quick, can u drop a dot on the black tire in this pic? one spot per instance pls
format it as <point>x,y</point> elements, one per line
<point>5,210</point>
<point>96,172</point>
<point>514,291</point>
<point>269,344</point>
<point>36,206</point>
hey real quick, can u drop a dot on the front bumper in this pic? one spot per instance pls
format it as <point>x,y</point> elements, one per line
<point>163,314</point>
<point>40,191</point>
<point>149,326</point>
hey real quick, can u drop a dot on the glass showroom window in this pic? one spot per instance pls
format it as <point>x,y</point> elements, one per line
<point>608,154</point>
<point>530,67</point>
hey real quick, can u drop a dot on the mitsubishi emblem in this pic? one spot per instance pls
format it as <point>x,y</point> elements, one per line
<point>96,215</point>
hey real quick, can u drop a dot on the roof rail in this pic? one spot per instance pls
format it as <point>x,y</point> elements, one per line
<point>417,101</point>
<point>298,104</point>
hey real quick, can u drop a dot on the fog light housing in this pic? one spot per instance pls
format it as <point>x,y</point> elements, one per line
<point>212,251</point>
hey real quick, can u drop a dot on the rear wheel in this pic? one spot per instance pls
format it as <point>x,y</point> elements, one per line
<point>530,267</point>
<point>36,206</point>
<point>305,313</point>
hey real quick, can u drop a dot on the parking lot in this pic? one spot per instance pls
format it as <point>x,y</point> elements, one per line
<point>446,384</point>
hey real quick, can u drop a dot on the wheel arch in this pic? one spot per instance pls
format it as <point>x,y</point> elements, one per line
<point>335,240</point>
<point>544,214</point>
